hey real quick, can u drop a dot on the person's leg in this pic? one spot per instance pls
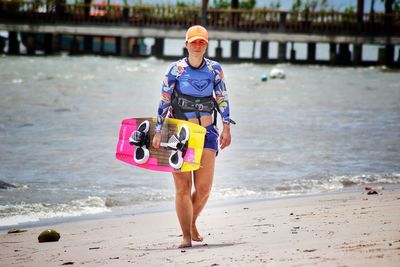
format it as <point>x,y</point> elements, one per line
<point>183,205</point>
<point>203,179</point>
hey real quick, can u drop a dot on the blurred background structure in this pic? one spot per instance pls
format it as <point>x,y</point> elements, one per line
<point>121,28</point>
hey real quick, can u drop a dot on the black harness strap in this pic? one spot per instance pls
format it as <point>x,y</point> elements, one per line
<point>182,103</point>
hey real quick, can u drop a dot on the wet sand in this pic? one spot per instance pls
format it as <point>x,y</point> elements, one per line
<point>347,229</point>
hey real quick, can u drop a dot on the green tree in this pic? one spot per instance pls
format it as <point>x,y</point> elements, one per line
<point>247,4</point>
<point>296,5</point>
<point>275,5</point>
<point>310,5</point>
<point>396,6</point>
<point>349,9</point>
<point>323,5</point>
<point>222,3</point>
<point>390,6</point>
<point>185,4</point>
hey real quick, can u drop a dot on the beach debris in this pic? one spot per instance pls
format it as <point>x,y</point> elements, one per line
<point>68,263</point>
<point>114,258</point>
<point>264,78</point>
<point>368,188</point>
<point>309,250</point>
<point>265,224</point>
<point>49,235</point>
<point>277,74</point>
<point>372,192</point>
<point>295,229</point>
<point>94,248</point>
<point>16,231</point>
<point>214,264</point>
<point>183,251</point>
<point>291,214</point>
<point>4,185</point>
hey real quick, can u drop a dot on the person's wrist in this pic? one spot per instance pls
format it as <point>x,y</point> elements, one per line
<point>227,125</point>
<point>228,122</point>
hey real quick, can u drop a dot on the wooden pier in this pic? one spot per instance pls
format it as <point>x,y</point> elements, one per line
<point>88,30</point>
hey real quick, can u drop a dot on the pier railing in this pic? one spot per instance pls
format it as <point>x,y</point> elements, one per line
<point>260,20</point>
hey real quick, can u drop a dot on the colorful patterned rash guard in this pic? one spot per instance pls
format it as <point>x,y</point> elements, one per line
<point>206,81</point>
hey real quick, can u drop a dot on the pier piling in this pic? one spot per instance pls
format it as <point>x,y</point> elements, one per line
<point>344,55</point>
<point>13,43</point>
<point>122,45</point>
<point>157,49</point>
<point>264,51</point>
<point>218,51</point>
<point>311,52</point>
<point>2,44</point>
<point>357,54</point>
<point>48,44</point>
<point>281,52</point>
<point>135,48</point>
<point>234,49</point>
<point>88,44</point>
<point>332,53</point>
<point>292,53</point>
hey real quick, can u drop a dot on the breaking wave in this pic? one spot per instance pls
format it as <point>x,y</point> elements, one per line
<point>33,212</point>
<point>334,183</point>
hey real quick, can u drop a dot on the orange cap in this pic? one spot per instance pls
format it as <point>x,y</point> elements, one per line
<point>196,32</point>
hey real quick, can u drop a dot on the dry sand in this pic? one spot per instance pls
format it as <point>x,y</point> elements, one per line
<point>348,229</point>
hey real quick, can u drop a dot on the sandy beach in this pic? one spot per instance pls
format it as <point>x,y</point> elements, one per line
<point>346,229</point>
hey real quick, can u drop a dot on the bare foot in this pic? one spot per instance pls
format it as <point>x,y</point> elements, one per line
<point>195,234</point>
<point>185,243</point>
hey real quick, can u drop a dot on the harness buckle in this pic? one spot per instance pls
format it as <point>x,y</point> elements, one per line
<point>181,102</point>
<point>199,106</point>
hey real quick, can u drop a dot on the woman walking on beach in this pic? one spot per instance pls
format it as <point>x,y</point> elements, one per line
<point>189,81</point>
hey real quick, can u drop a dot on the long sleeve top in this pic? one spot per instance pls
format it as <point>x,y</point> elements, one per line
<point>205,81</point>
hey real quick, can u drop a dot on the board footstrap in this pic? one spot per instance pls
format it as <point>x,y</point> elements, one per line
<point>178,144</point>
<point>141,140</point>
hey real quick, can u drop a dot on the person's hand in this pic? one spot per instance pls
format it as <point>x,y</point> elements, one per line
<point>157,140</point>
<point>225,139</point>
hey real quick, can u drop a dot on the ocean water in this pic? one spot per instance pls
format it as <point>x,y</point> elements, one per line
<point>320,130</point>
